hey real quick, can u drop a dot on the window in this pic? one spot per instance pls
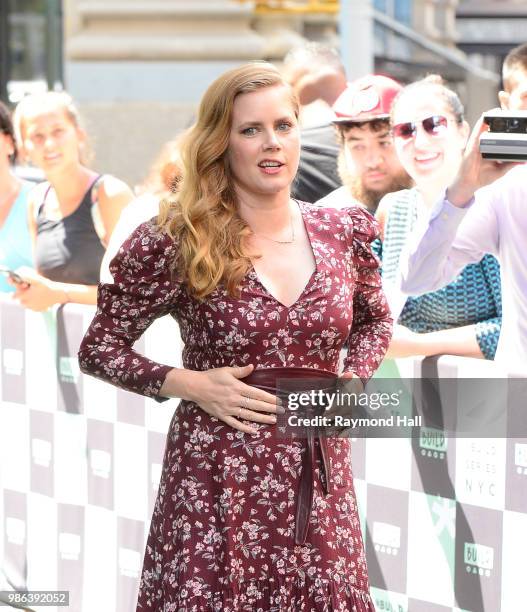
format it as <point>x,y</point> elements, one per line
<point>30,46</point>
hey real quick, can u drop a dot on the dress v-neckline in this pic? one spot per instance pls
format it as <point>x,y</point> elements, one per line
<point>311,240</point>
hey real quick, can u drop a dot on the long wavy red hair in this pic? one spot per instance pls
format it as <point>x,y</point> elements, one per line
<point>202,216</point>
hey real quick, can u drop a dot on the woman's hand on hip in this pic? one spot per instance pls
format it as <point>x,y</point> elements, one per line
<point>221,393</point>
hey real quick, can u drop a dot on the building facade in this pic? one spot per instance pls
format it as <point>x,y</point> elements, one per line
<point>138,67</point>
<point>487,30</point>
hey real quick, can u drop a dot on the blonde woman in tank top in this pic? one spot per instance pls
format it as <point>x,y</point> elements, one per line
<point>72,214</point>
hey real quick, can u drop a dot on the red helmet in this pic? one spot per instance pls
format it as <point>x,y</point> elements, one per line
<point>366,99</point>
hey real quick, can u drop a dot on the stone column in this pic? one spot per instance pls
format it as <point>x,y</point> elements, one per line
<point>357,43</point>
<point>138,68</point>
<point>424,19</point>
<point>162,29</point>
<point>280,33</point>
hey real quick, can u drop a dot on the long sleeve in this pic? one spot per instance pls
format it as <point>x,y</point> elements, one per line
<point>453,238</point>
<point>143,290</point>
<point>488,332</point>
<point>372,326</point>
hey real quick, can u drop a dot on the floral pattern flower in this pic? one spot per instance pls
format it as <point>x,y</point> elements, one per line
<point>222,531</point>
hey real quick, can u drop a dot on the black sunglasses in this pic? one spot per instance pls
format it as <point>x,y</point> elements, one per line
<point>431,125</point>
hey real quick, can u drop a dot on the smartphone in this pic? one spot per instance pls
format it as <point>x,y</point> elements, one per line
<point>13,276</point>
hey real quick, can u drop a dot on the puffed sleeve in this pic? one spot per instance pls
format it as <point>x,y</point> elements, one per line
<point>143,290</point>
<point>372,327</point>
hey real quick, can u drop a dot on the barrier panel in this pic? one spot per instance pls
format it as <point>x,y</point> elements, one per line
<point>444,523</point>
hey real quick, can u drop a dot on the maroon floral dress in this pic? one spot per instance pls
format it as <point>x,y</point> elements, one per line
<point>222,531</point>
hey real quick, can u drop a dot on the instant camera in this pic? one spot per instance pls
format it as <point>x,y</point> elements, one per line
<point>507,136</point>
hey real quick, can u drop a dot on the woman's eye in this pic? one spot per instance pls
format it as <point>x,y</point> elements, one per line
<point>250,131</point>
<point>284,126</point>
<point>386,143</point>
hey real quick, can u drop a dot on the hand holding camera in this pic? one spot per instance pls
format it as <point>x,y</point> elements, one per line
<point>506,138</point>
<point>478,170</point>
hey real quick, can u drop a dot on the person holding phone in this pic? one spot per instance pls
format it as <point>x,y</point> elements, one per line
<point>15,239</point>
<point>14,277</point>
<point>73,213</point>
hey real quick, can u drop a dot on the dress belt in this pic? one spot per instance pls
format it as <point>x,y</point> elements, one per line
<point>308,379</point>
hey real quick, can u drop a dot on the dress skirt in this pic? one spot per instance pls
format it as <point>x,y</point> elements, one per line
<point>222,536</point>
<point>224,533</point>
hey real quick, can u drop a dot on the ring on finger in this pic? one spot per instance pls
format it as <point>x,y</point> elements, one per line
<point>239,412</point>
<point>245,402</point>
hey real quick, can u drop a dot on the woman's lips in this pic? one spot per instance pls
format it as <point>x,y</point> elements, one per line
<point>52,158</point>
<point>424,161</point>
<point>270,166</point>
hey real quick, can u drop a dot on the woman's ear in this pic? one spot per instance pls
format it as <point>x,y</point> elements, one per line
<point>465,132</point>
<point>84,151</point>
<point>504,97</point>
<point>11,146</point>
<point>23,155</point>
<point>81,135</point>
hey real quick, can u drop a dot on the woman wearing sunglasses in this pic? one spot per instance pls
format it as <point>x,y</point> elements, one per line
<point>463,318</point>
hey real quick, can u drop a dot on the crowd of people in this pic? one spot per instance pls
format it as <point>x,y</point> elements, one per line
<point>391,149</point>
<point>270,262</point>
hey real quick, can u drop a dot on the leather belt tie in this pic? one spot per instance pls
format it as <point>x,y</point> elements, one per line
<point>301,380</point>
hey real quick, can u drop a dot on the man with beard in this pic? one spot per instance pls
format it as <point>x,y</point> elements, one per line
<point>368,164</point>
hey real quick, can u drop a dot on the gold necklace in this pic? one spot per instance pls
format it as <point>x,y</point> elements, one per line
<point>282,241</point>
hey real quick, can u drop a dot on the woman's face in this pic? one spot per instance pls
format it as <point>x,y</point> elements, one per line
<point>51,140</point>
<point>264,143</point>
<point>431,152</point>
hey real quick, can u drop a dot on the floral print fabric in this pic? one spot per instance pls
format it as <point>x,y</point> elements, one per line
<point>222,532</point>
